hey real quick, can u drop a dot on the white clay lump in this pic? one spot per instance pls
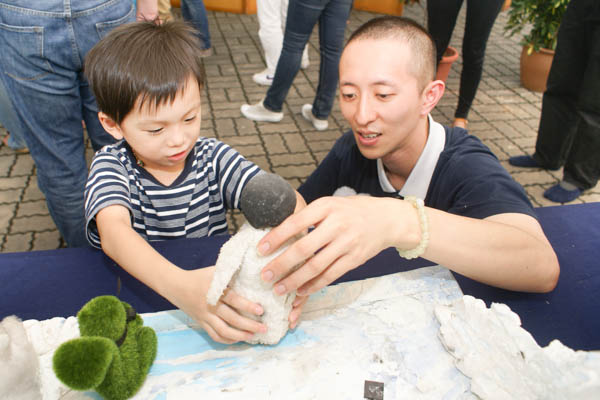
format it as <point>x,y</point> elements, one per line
<point>265,201</point>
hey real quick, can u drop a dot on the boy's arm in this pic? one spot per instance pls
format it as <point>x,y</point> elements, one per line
<point>185,289</point>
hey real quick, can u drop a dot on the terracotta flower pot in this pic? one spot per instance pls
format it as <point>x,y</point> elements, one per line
<point>443,69</point>
<point>535,68</point>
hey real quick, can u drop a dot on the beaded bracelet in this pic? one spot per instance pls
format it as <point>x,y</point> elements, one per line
<point>419,206</point>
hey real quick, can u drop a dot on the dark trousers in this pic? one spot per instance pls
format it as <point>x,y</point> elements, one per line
<point>302,16</point>
<point>441,19</point>
<point>569,132</point>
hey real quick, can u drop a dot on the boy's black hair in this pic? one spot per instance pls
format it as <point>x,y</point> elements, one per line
<point>422,45</point>
<point>145,62</point>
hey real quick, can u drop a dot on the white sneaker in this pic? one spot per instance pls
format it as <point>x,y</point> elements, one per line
<point>263,78</point>
<point>319,124</point>
<point>258,112</point>
<point>305,63</point>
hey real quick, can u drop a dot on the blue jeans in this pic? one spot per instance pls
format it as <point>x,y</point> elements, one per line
<point>302,17</point>
<point>194,12</point>
<point>43,47</point>
<point>8,119</point>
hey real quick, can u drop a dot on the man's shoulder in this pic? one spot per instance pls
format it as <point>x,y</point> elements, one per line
<point>465,157</point>
<point>460,144</point>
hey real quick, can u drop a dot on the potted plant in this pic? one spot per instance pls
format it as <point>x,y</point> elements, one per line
<point>543,17</point>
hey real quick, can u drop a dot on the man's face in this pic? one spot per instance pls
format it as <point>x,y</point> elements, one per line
<point>163,136</point>
<point>379,96</point>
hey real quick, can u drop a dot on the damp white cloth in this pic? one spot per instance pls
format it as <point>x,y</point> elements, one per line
<point>238,267</point>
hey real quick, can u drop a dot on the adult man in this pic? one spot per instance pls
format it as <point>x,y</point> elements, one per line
<point>478,221</point>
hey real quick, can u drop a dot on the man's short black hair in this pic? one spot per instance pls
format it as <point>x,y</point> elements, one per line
<point>424,63</point>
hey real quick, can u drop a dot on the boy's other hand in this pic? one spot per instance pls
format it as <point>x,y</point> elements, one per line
<point>223,322</point>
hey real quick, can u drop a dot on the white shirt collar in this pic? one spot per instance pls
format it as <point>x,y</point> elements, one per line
<point>417,183</point>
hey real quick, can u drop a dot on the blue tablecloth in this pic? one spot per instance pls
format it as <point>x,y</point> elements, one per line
<point>43,284</point>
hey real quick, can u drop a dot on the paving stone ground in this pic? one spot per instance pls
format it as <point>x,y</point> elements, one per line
<point>505,117</point>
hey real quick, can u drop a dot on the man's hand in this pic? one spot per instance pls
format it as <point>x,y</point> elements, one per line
<point>297,307</point>
<point>348,231</point>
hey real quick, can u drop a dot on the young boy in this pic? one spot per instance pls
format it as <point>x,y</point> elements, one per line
<point>161,180</point>
<point>460,208</point>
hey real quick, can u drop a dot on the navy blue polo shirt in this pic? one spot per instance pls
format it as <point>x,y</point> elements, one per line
<point>467,180</point>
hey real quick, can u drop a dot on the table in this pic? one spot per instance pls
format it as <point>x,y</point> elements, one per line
<point>43,284</point>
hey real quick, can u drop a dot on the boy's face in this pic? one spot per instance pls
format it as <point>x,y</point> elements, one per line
<point>379,96</point>
<point>163,136</point>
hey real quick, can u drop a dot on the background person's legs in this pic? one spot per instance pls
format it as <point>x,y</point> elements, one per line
<point>194,12</point>
<point>271,16</point>
<point>332,25</point>
<point>301,19</point>
<point>8,119</point>
<point>558,121</point>
<point>441,19</point>
<point>480,20</point>
<point>582,167</point>
<point>42,75</point>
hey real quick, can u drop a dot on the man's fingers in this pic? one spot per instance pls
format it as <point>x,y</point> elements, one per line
<point>319,265</point>
<point>296,223</point>
<point>300,301</point>
<point>298,305</point>
<point>337,269</point>
<point>299,252</point>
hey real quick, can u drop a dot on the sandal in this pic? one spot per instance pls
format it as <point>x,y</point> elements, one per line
<point>460,123</point>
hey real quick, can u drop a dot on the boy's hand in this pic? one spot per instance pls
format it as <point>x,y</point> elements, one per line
<point>223,322</point>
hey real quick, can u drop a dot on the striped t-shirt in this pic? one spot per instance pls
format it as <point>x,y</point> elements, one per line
<point>194,205</point>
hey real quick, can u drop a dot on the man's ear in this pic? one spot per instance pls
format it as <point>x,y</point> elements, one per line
<point>110,126</point>
<point>432,94</point>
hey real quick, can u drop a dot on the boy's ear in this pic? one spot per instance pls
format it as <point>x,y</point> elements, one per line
<point>432,94</point>
<point>110,126</point>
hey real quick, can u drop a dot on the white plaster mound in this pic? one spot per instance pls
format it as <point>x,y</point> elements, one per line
<point>19,365</point>
<point>504,361</point>
<point>238,266</point>
<point>414,331</point>
<point>45,337</point>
